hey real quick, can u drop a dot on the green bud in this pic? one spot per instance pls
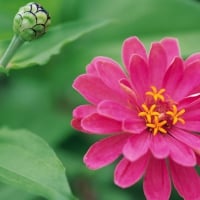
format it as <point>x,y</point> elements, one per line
<point>31,21</point>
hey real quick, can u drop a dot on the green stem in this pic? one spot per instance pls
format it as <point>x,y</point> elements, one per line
<point>15,43</point>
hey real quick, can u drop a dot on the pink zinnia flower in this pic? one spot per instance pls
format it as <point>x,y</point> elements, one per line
<point>152,114</point>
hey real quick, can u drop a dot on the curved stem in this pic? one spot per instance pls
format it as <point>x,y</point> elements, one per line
<point>15,43</point>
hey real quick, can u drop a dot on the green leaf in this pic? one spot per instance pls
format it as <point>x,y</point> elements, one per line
<point>27,162</point>
<point>8,192</point>
<point>3,70</point>
<point>38,52</point>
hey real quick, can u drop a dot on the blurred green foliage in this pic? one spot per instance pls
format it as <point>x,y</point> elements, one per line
<point>41,98</point>
<point>29,163</point>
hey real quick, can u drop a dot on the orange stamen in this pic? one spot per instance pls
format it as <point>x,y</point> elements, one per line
<point>148,113</point>
<point>157,126</point>
<point>176,115</point>
<point>156,94</point>
<point>157,115</point>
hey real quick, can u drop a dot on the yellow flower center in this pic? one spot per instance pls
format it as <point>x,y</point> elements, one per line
<point>156,94</point>
<point>160,113</point>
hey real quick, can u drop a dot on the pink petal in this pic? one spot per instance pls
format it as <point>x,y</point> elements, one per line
<point>157,183</point>
<point>126,83</point>
<point>136,146</point>
<point>139,75</point>
<point>198,158</point>
<point>190,126</point>
<point>93,89</point>
<point>132,46</point>
<point>115,110</point>
<point>91,69</point>
<point>98,124</point>
<point>187,138</point>
<point>158,64</point>
<point>189,101</point>
<point>195,90</point>
<point>186,181</point>
<point>83,110</point>
<point>110,72</point>
<point>181,153</point>
<point>131,97</point>
<point>159,147</point>
<point>79,113</point>
<point>193,58</point>
<point>173,76</point>
<point>104,151</point>
<point>189,81</point>
<point>76,123</point>
<point>134,125</point>
<point>192,112</point>
<point>128,173</point>
<point>171,47</point>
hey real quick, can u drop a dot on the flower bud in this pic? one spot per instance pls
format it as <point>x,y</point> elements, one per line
<point>31,21</point>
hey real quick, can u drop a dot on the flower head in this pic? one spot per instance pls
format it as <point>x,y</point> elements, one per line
<point>151,113</point>
<point>31,21</point>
